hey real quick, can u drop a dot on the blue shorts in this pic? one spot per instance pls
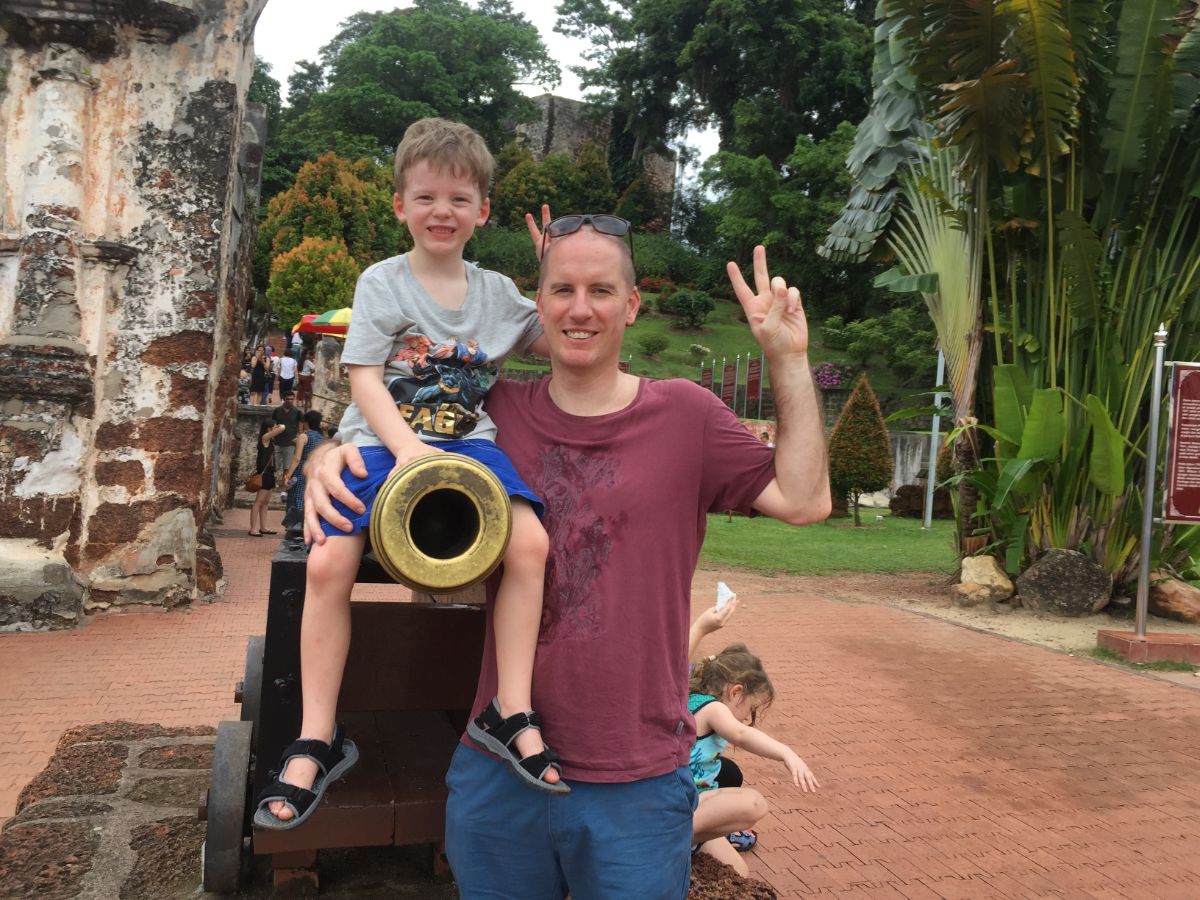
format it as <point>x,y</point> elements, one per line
<point>599,842</point>
<point>380,462</point>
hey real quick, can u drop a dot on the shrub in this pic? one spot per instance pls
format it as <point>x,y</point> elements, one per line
<point>909,503</point>
<point>505,250</point>
<point>687,308</point>
<point>653,344</point>
<point>654,284</point>
<point>331,198</point>
<point>831,375</point>
<point>903,337</point>
<point>860,454</point>
<point>699,352</point>
<point>315,276</point>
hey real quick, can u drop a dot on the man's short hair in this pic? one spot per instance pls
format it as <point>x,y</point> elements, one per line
<point>313,419</point>
<point>444,145</point>
<point>286,394</point>
<point>627,271</point>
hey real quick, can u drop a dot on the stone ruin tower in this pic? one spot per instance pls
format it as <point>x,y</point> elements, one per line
<point>129,167</point>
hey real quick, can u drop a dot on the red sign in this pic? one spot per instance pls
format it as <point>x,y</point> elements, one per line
<point>623,365</point>
<point>706,378</point>
<point>1181,500</point>
<point>753,379</point>
<point>728,385</point>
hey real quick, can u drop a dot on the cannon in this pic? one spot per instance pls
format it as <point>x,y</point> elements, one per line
<point>439,526</point>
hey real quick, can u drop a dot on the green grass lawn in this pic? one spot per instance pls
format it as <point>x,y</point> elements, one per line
<point>892,545</point>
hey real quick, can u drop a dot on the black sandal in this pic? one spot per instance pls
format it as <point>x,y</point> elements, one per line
<point>333,761</point>
<point>491,730</point>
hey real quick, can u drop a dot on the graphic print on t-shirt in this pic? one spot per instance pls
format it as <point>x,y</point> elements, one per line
<point>583,537</point>
<point>440,385</point>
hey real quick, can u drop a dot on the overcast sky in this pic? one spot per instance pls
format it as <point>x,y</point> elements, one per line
<point>291,30</point>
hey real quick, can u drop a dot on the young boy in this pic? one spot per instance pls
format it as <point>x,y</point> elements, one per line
<point>427,335</point>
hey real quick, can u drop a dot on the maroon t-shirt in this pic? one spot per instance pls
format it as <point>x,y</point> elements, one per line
<point>626,497</point>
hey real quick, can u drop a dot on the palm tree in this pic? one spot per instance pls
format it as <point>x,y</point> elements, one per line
<point>1075,126</point>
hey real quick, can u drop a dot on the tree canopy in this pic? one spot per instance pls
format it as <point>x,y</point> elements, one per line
<point>384,70</point>
<point>331,198</point>
<point>314,276</point>
<point>763,70</point>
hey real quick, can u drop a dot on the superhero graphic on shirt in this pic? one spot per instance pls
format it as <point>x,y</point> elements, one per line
<point>440,385</point>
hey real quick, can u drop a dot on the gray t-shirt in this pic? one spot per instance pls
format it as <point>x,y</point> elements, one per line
<point>438,362</point>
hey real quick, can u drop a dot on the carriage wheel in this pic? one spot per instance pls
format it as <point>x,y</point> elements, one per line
<point>225,808</point>
<point>251,686</point>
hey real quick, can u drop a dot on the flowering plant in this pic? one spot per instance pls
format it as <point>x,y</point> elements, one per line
<point>829,375</point>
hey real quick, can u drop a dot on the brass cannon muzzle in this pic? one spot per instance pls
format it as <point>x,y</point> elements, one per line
<point>441,523</point>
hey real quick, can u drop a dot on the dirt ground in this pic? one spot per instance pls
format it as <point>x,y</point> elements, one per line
<point>929,594</point>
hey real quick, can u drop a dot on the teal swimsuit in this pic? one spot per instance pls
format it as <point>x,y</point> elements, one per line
<point>704,761</point>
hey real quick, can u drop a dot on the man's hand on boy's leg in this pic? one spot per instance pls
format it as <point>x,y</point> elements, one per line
<point>324,484</point>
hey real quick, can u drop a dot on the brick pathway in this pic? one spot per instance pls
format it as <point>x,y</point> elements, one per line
<point>953,763</point>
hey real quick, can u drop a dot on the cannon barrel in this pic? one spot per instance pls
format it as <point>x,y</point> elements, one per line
<point>441,523</point>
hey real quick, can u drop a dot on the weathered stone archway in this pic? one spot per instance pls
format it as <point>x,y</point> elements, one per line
<point>130,166</point>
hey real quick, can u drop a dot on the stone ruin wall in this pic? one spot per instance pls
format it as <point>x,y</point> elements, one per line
<point>566,125</point>
<point>129,168</point>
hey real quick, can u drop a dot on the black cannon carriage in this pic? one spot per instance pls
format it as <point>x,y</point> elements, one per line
<point>406,693</point>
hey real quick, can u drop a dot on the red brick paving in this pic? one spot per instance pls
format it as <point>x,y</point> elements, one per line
<point>952,763</point>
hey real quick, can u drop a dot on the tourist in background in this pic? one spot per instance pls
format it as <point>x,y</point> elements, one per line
<point>264,465</point>
<point>308,370</point>
<point>258,376</point>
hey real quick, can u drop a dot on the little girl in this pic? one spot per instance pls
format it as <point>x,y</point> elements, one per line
<point>727,692</point>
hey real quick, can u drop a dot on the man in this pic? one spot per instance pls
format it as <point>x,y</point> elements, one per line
<point>288,415</point>
<point>627,469</point>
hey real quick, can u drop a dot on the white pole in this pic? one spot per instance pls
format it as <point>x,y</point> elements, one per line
<point>931,477</point>
<point>1143,588</point>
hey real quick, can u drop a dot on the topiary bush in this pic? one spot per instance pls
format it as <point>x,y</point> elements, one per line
<point>860,453</point>
<point>687,308</point>
<point>505,250</point>
<point>653,344</point>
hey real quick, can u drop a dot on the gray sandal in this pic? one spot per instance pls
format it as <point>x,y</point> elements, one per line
<point>494,732</point>
<point>333,761</point>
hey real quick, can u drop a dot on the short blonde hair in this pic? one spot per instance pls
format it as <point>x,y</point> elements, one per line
<point>444,145</point>
<point>623,248</point>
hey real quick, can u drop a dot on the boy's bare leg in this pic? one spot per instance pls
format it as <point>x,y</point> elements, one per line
<point>324,643</point>
<point>517,616</point>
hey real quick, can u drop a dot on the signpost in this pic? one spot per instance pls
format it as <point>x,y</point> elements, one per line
<point>1143,588</point>
<point>1181,498</point>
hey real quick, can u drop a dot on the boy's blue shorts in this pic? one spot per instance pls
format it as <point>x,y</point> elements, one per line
<point>380,462</point>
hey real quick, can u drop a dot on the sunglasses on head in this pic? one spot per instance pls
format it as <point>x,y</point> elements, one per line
<point>602,222</point>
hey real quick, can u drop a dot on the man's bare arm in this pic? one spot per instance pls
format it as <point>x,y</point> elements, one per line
<point>799,493</point>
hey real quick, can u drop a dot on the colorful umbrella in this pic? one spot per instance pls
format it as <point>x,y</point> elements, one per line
<point>335,322</point>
